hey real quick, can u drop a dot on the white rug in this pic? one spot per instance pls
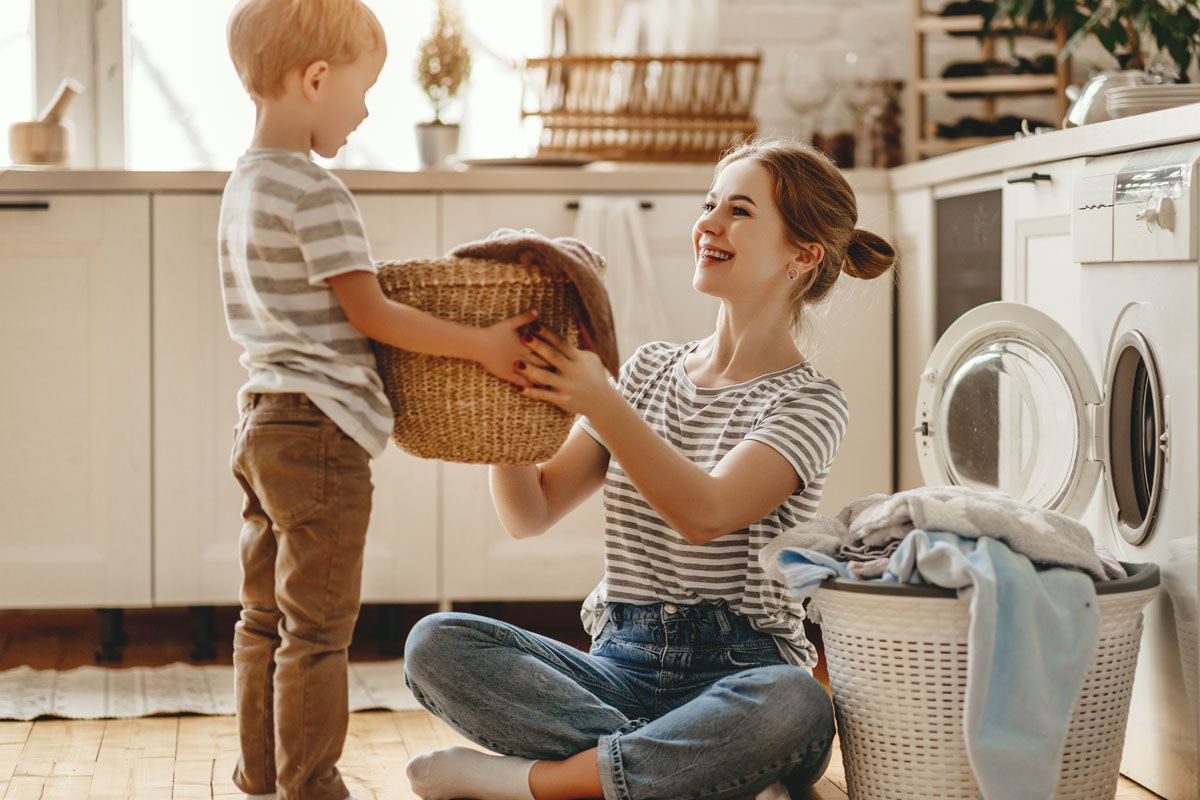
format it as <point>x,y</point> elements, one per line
<point>113,693</point>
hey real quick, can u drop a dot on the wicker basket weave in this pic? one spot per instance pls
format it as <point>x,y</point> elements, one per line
<point>452,409</point>
<point>643,108</point>
<point>897,663</point>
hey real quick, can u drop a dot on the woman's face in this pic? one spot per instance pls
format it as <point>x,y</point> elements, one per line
<point>740,240</point>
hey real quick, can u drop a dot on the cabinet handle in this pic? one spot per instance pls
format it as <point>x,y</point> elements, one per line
<point>25,205</point>
<point>1032,177</point>
<point>645,205</point>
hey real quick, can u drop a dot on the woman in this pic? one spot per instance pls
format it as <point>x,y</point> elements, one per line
<point>698,683</point>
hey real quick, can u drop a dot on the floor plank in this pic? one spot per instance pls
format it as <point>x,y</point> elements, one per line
<point>160,758</point>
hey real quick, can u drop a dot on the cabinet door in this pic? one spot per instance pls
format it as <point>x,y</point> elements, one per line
<point>916,294</point>
<point>1039,266</point>
<point>75,427</point>
<point>196,379</point>
<point>849,338</point>
<point>481,561</point>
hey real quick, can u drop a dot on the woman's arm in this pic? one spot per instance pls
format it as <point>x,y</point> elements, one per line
<point>751,480</point>
<point>531,499</point>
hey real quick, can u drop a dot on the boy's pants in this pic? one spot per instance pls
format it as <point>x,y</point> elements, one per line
<point>308,500</point>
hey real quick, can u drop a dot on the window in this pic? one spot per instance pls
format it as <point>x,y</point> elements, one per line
<point>16,65</point>
<point>187,109</point>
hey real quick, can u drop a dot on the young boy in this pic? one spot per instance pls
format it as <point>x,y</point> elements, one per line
<point>302,298</point>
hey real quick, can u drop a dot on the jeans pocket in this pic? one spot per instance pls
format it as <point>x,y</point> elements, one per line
<point>748,657</point>
<point>289,467</point>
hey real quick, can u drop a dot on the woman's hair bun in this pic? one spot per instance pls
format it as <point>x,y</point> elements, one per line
<point>868,256</point>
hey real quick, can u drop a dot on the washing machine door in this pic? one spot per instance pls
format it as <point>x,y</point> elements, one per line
<point>1008,403</point>
<point>1133,427</point>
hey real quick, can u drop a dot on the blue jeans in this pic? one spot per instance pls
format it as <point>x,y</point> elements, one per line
<point>681,701</point>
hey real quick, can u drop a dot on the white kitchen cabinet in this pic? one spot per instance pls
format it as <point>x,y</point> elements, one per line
<point>848,337</point>
<point>75,433</point>
<point>196,378</point>
<point>481,561</point>
<point>913,239</point>
<point>1039,268</point>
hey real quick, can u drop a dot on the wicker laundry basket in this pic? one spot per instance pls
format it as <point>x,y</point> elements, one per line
<point>452,409</point>
<point>897,659</point>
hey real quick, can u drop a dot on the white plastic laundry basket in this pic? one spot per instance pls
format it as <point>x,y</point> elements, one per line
<point>897,659</point>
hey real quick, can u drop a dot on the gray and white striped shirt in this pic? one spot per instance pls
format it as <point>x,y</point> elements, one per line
<point>287,226</point>
<point>797,411</point>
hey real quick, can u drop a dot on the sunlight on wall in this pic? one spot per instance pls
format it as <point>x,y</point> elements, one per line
<point>187,110</point>
<point>16,65</point>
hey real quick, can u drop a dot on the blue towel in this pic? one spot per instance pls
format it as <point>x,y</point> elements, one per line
<point>1032,638</point>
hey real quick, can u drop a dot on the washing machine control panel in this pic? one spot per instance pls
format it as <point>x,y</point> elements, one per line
<point>1138,207</point>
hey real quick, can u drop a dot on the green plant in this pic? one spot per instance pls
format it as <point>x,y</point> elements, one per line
<point>445,60</point>
<point>1121,26</point>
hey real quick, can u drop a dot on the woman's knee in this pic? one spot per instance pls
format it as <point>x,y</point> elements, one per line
<point>431,644</point>
<point>792,699</point>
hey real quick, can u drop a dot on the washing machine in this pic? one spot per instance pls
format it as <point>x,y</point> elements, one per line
<point>1103,426</point>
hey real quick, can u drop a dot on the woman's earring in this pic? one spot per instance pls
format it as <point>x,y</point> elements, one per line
<point>793,273</point>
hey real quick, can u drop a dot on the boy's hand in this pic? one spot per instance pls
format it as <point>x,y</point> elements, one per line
<point>501,348</point>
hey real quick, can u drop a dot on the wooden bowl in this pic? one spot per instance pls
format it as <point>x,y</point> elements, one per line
<point>39,143</point>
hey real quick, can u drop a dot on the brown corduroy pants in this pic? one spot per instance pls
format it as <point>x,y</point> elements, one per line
<point>307,503</point>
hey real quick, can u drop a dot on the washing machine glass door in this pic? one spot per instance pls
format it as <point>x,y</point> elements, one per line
<point>1007,403</point>
<point>1133,427</point>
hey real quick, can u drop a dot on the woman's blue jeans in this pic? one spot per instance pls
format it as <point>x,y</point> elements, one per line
<point>681,701</point>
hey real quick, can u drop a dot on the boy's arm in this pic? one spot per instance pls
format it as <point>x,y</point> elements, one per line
<point>497,347</point>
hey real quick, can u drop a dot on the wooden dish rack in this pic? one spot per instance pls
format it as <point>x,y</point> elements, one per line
<point>643,108</point>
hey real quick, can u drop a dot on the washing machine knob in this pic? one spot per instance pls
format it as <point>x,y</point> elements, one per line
<point>1160,211</point>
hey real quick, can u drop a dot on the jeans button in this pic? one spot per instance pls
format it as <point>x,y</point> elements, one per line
<point>670,608</point>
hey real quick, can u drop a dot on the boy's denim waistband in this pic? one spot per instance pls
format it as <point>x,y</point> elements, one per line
<point>278,400</point>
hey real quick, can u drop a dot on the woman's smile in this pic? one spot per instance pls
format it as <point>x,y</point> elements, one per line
<point>710,256</point>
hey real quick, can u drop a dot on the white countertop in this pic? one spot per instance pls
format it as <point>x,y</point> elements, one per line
<point>598,177</point>
<point>1144,130</point>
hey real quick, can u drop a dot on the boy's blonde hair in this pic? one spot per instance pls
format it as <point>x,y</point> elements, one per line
<point>270,38</point>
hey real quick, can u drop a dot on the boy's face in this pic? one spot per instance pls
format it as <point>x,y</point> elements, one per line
<point>341,103</point>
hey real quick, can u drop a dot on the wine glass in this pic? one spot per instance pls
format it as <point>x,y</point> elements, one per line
<point>860,76</point>
<point>806,86</point>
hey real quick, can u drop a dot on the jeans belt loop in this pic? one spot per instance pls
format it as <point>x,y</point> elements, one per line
<point>723,622</point>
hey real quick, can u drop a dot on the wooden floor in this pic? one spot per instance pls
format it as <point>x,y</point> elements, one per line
<point>160,758</point>
<point>186,758</point>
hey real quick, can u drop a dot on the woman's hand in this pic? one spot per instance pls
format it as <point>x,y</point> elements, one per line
<point>575,380</point>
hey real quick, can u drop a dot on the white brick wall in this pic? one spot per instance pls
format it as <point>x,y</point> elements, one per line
<point>831,28</point>
<point>883,27</point>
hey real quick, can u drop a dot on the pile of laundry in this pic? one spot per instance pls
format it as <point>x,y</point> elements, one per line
<point>1029,575</point>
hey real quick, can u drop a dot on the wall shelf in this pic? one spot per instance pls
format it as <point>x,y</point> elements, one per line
<point>921,140</point>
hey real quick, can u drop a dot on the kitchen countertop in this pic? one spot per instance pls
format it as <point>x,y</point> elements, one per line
<point>597,177</point>
<point>1144,130</point>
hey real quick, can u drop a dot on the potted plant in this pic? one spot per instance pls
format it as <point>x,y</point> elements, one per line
<point>442,68</point>
<point>1123,27</point>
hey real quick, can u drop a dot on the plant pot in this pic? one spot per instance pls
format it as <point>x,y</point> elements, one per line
<point>436,142</point>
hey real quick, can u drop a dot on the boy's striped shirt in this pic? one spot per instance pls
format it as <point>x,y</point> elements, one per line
<point>287,226</point>
<point>796,411</point>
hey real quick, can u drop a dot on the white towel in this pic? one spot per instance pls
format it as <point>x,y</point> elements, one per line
<point>613,226</point>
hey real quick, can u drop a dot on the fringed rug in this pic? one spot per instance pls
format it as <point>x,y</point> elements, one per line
<point>114,693</point>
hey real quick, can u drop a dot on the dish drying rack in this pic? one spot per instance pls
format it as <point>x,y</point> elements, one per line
<point>643,108</point>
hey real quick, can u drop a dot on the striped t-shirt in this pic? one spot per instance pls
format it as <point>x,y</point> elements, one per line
<point>797,411</point>
<point>287,226</point>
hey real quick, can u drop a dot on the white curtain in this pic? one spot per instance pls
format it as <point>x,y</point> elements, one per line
<point>613,226</point>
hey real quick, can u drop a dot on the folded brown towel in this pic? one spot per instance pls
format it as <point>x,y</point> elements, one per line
<point>580,263</point>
